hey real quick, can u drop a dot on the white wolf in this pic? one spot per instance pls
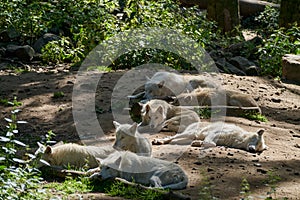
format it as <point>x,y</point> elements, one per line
<point>147,171</point>
<point>219,134</point>
<point>164,84</point>
<point>127,138</point>
<point>74,155</point>
<point>210,96</point>
<point>158,114</point>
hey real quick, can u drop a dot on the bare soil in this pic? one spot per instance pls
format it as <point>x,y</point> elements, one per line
<point>221,169</point>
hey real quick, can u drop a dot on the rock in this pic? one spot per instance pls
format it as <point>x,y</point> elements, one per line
<point>24,53</point>
<point>45,39</point>
<point>233,70</point>
<point>291,67</point>
<point>257,164</point>
<point>245,65</point>
<point>9,35</point>
<point>276,100</point>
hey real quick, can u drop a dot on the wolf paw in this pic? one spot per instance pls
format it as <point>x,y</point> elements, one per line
<point>157,142</point>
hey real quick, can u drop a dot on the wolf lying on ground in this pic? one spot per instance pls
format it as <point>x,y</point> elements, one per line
<point>127,138</point>
<point>164,84</point>
<point>158,114</point>
<point>219,134</point>
<point>213,96</point>
<point>142,170</point>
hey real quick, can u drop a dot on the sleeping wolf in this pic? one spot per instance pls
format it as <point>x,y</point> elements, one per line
<point>127,138</point>
<point>212,96</point>
<point>158,114</point>
<point>165,84</point>
<point>147,171</point>
<point>219,134</point>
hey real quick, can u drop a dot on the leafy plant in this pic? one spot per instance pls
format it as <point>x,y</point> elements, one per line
<point>205,191</point>
<point>245,188</point>
<point>255,116</point>
<point>18,179</point>
<point>58,94</point>
<point>272,181</point>
<point>205,113</point>
<point>132,192</point>
<point>71,186</point>
<point>62,51</point>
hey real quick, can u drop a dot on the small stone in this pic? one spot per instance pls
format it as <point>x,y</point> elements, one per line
<point>262,171</point>
<point>257,164</point>
<point>276,100</point>
<point>210,170</point>
<point>198,163</point>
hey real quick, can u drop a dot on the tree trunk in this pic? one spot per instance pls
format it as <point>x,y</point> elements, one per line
<point>289,12</point>
<point>225,13</point>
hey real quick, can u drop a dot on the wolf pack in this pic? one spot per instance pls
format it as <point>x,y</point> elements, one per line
<point>130,157</point>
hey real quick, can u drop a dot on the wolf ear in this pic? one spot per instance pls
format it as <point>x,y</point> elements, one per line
<point>147,108</point>
<point>160,110</point>
<point>116,124</point>
<point>148,79</point>
<point>133,128</point>
<point>40,145</point>
<point>161,84</point>
<point>260,131</point>
<point>99,161</point>
<point>48,150</point>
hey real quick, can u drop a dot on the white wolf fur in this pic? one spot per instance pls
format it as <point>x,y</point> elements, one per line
<point>209,96</point>
<point>158,114</point>
<point>219,134</point>
<point>147,171</point>
<point>127,138</point>
<point>74,155</point>
<point>164,84</point>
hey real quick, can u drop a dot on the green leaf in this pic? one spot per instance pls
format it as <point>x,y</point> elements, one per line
<point>22,122</point>
<point>19,160</point>
<point>19,143</point>
<point>4,139</point>
<point>8,120</point>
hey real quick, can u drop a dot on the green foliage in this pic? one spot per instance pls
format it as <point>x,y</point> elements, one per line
<point>62,51</point>
<point>276,41</point>
<point>205,192</point>
<point>268,21</point>
<point>245,188</point>
<point>281,42</point>
<point>272,181</point>
<point>71,186</point>
<point>84,24</point>
<point>18,179</point>
<point>255,116</point>
<point>132,192</point>
<point>205,113</point>
<point>59,94</point>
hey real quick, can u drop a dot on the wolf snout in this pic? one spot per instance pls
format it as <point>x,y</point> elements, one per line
<point>252,149</point>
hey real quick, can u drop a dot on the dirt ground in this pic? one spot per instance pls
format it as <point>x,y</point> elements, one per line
<point>220,169</point>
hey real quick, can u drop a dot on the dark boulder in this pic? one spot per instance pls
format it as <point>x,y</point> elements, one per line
<point>23,53</point>
<point>45,39</point>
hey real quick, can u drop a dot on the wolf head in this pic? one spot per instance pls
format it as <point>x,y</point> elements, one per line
<point>125,136</point>
<point>129,139</point>
<point>153,117</point>
<point>153,90</point>
<point>257,142</point>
